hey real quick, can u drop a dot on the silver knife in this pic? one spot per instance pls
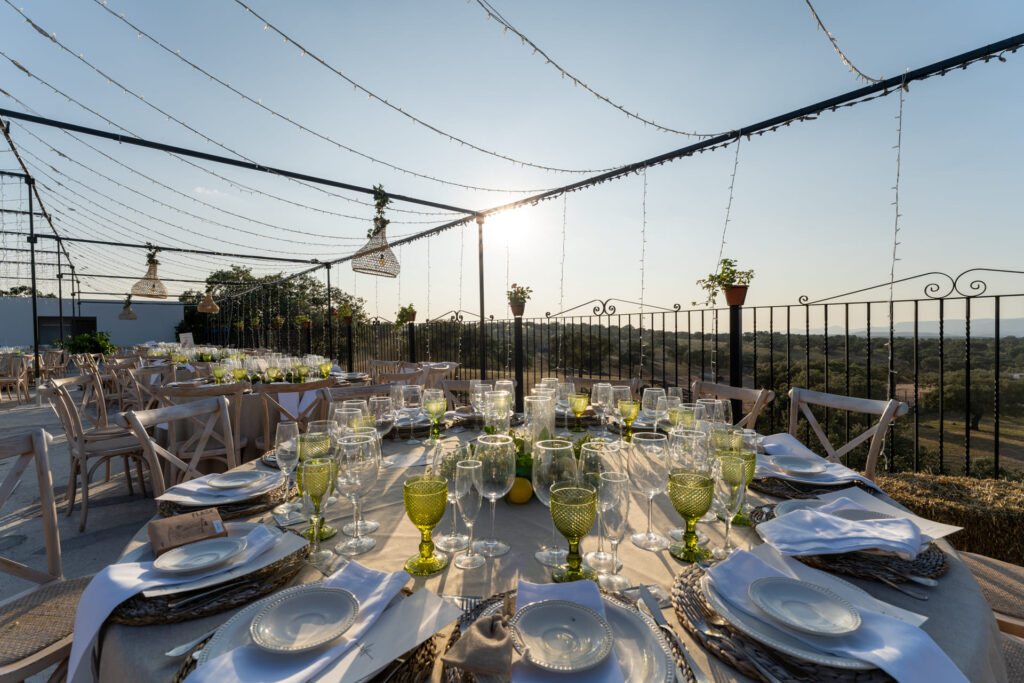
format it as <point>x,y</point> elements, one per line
<point>652,606</point>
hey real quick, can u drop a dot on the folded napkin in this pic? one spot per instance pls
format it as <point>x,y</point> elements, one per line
<point>582,593</point>
<point>295,403</point>
<point>417,457</point>
<point>118,582</point>
<point>903,651</point>
<point>786,444</point>
<point>373,589</point>
<point>930,529</point>
<point>198,492</point>
<point>815,532</point>
<point>485,648</point>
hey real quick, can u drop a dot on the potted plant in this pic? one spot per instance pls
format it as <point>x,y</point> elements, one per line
<point>255,322</point>
<point>239,325</point>
<point>277,321</point>
<point>380,202</point>
<point>517,298</point>
<point>346,313</point>
<point>303,320</point>
<point>728,279</point>
<point>406,314</point>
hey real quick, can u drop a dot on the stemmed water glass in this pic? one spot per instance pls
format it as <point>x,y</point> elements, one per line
<point>597,457</point>
<point>613,507</point>
<point>578,405</point>
<point>498,454</point>
<point>496,413</point>
<point>691,490</point>
<point>677,392</point>
<point>446,458</point>
<point>316,482</point>
<point>648,468</point>
<point>412,406</point>
<point>477,389</point>
<point>366,526</point>
<point>425,497</point>
<point>553,461</point>
<point>649,406</point>
<point>434,404</point>
<point>626,408</point>
<point>468,487</point>
<point>358,468</point>
<point>730,492</point>
<point>318,427</point>
<point>324,366</point>
<point>573,509</point>
<point>563,391</point>
<point>685,446</point>
<point>383,412</point>
<point>238,370</point>
<point>286,451</point>
<point>668,408</point>
<point>712,411</point>
<point>601,399</point>
<point>348,419</point>
<point>219,371</point>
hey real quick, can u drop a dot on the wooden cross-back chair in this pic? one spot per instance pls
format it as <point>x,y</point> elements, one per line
<point>88,450</point>
<point>375,367</point>
<point>274,411</point>
<point>54,363</point>
<point>208,423</point>
<point>145,385</point>
<point>232,392</point>
<point>433,376</point>
<point>801,401</point>
<point>757,398</point>
<point>37,623</point>
<point>410,377</point>
<point>14,375</point>
<point>587,383</point>
<point>366,392</point>
<point>457,391</point>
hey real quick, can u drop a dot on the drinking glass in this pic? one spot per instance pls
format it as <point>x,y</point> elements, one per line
<point>549,382</point>
<point>286,450</point>
<point>412,406</point>
<point>273,370</point>
<point>573,509</point>
<point>553,461</point>
<point>477,389</point>
<point>649,466</point>
<point>578,405</point>
<point>677,392</point>
<point>316,482</point>
<point>238,371</point>
<point>300,371</point>
<point>730,491</point>
<point>497,452</point>
<point>426,497</point>
<point>691,492</point>
<point>597,457</point>
<point>468,487</point>
<point>496,415</point>
<point>725,406</point>
<point>649,406</point>
<point>324,367</point>
<point>329,428</point>
<point>219,371</point>
<point>668,407</point>
<point>445,462</point>
<point>382,410</point>
<point>749,457</point>
<point>358,469</point>
<point>366,526</point>
<point>348,419</point>
<point>601,399</point>
<point>357,403</point>
<point>434,405</point>
<point>628,411</point>
<point>712,411</point>
<point>563,391</point>
<point>685,415</point>
<point>686,447</point>
<point>539,419</point>
<point>509,386</point>
<point>613,508</point>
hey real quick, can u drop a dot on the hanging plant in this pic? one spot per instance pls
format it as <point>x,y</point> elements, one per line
<point>517,298</point>
<point>380,202</point>
<point>303,319</point>
<point>277,321</point>
<point>256,322</point>
<point>239,325</point>
<point>728,279</point>
<point>346,312</point>
<point>406,314</point>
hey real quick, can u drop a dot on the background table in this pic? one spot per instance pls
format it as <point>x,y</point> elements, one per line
<point>960,620</point>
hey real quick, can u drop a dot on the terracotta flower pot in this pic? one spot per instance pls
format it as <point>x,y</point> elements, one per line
<point>735,296</point>
<point>517,308</point>
<point>412,318</point>
<point>348,319</point>
<point>307,324</point>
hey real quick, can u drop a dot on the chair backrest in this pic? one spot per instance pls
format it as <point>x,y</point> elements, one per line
<point>411,377</point>
<point>376,367</point>
<point>170,396</point>
<point>146,383</point>
<point>801,401</point>
<point>276,407</point>
<point>757,398</point>
<point>365,391</point>
<point>208,421</point>
<point>587,383</point>
<point>457,391</point>
<point>433,376</point>
<point>24,448</point>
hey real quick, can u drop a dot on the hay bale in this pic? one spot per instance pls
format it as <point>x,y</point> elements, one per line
<point>990,511</point>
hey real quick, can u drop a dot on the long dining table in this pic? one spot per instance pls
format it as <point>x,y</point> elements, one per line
<point>959,619</point>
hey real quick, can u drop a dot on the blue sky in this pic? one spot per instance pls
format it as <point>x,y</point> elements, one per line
<point>812,209</point>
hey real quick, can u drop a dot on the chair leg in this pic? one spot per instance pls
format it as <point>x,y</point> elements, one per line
<point>72,485</point>
<point>128,474</point>
<point>107,476</point>
<point>59,674</point>
<point>142,481</point>
<point>85,495</point>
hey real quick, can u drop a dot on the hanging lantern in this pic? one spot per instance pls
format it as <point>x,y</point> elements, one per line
<point>208,305</point>
<point>376,257</point>
<point>127,313</point>
<point>150,285</point>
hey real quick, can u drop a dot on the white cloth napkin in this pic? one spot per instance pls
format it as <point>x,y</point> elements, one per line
<point>296,402</point>
<point>417,457</point>
<point>929,528</point>
<point>118,582</point>
<point>198,492</point>
<point>373,589</point>
<point>786,444</point>
<point>582,593</point>
<point>815,532</point>
<point>903,651</point>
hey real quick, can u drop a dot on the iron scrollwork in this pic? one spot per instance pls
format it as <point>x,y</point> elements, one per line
<point>606,307</point>
<point>933,290</point>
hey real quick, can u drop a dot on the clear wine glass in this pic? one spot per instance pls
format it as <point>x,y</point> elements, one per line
<point>712,411</point>
<point>498,454</point>
<point>565,389</point>
<point>597,457</point>
<point>601,399</point>
<point>649,468</point>
<point>358,469</point>
<point>730,492</point>
<point>649,406</point>
<point>613,506</point>
<point>553,461</point>
<point>434,405</point>
<point>366,526</point>
<point>382,410</point>
<point>286,451</point>
<point>412,406</point>
<point>444,462</point>
<point>468,488</point>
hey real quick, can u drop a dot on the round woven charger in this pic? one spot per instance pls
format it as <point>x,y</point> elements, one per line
<point>740,651</point>
<point>412,667</point>
<point>243,508</point>
<point>784,488</point>
<point>453,674</point>
<point>930,563</point>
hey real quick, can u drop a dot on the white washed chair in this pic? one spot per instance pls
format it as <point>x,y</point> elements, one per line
<point>37,624</point>
<point>409,377</point>
<point>365,392</point>
<point>210,438</point>
<point>456,389</point>
<point>233,392</point>
<point>274,411</point>
<point>14,375</point>
<point>433,376</point>
<point>375,367</point>
<point>587,383</point>
<point>757,398</point>
<point>801,401</point>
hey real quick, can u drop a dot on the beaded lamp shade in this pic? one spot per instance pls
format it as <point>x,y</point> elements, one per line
<point>208,305</point>
<point>127,313</point>
<point>150,285</point>
<point>376,257</point>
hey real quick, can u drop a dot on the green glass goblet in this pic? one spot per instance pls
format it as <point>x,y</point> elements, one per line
<point>426,497</point>
<point>573,509</point>
<point>578,405</point>
<point>316,480</point>
<point>691,493</point>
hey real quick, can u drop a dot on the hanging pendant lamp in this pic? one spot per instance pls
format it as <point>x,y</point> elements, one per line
<point>150,285</point>
<point>127,313</point>
<point>376,257</point>
<point>208,305</point>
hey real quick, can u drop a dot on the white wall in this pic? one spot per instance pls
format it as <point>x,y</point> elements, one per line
<point>155,322</point>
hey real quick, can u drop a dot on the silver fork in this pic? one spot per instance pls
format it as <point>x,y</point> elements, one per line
<point>702,625</point>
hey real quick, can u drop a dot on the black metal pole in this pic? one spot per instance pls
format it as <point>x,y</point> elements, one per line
<point>330,318</point>
<point>35,299</point>
<point>519,363</point>
<point>60,300</point>
<point>483,324</point>
<point>412,342</point>
<point>736,355</point>
<point>351,348</point>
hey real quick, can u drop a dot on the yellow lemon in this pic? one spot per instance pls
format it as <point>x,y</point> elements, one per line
<point>522,491</point>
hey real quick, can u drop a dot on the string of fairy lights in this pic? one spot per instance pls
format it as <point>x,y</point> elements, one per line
<point>643,273</point>
<point>895,229</point>
<point>835,46</point>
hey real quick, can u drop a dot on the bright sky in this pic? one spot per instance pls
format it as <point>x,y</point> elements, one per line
<point>812,212</point>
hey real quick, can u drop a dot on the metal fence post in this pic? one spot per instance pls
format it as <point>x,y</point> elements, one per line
<point>519,363</point>
<point>412,342</point>
<point>350,354</point>
<point>736,355</point>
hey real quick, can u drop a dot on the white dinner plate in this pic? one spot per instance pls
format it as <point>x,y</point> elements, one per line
<point>304,620</point>
<point>561,636</point>
<point>793,504</point>
<point>804,606</point>
<point>236,479</point>
<point>798,465</point>
<point>641,649</point>
<point>774,637</point>
<point>234,632</point>
<point>199,556</point>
